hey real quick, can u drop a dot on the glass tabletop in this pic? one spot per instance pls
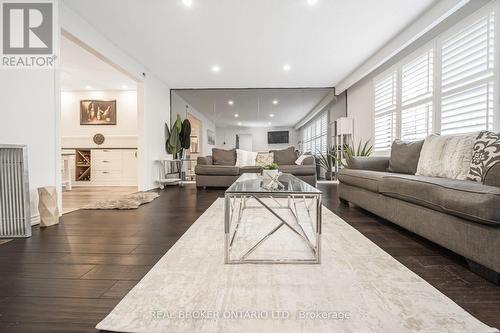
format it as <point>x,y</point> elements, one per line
<point>286,183</point>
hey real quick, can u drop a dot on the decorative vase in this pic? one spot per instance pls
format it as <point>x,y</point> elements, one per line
<point>47,206</point>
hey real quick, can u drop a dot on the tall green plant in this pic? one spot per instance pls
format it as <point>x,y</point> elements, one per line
<point>172,138</point>
<point>327,160</point>
<point>362,150</point>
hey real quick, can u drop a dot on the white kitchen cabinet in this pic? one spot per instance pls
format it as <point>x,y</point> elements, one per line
<point>111,167</point>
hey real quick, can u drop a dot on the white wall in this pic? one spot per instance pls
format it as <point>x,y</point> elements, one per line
<point>226,137</point>
<point>360,108</point>
<point>152,129</point>
<point>28,116</point>
<point>360,95</point>
<point>153,94</point>
<point>179,108</point>
<point>121,135</point>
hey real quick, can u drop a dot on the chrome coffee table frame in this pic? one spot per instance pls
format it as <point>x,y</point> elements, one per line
<point>236,203</point>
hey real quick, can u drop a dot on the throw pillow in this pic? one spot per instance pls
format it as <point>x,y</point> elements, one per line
<point>405,156</point>
<point>486,153</point>
<point>446,156</point>
<point>264,158</point>
<point>285,156</point>
<point>301,159</point>
<point>223,156</point>
<point>245,158</point>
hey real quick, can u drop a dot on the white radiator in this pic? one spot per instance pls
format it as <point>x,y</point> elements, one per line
<point>15,213</point>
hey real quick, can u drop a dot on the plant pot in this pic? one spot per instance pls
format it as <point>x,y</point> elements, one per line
<point>328,175</point>
<point>269,174</point>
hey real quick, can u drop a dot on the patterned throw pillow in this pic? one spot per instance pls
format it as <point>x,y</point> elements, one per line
<point>486,153</point>
<point>264,159</point>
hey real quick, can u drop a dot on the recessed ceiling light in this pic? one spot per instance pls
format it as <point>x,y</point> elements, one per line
<point>236,115</point>
<point>271,115</point>
<point>239,123</point>
<point>215,68</point>
<point>187,3</point>
<point>230,102</point>
<point>88,87</point>
<point>124,86</point>
<point>275,101</point>
<point>312,2</point>
<point>287,67</point>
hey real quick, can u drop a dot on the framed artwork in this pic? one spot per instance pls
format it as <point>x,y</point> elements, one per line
<point>95,112</point>
<point>210,137</point>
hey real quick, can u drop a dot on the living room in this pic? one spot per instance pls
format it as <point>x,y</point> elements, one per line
<point>301,166</point>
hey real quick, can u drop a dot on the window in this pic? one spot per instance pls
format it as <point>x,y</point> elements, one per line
<point>315,135</point>
<point>416,97</point>
<point>468,78</point>
<point>447,87</point>
<point>385,111</point>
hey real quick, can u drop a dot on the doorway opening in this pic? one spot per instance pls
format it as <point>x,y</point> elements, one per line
<point>98,126</point>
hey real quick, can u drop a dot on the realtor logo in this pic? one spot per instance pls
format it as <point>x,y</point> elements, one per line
<point>27,34</point>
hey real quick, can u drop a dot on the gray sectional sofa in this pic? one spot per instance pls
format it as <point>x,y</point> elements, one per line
<point>219,170</point>
<point>461,215</point>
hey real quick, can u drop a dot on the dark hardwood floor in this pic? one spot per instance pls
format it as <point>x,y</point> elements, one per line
<point>66,278</point>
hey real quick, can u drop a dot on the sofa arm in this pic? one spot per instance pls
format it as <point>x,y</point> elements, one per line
<point>204,160</point>
<point>309,160</point>
<point>492,177</point>
<point>374,163</point>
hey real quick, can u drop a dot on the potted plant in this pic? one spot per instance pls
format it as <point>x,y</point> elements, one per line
<point>362,150</point>
<point>270,170</point>
<point>326,161</point>
<point>177,138</point>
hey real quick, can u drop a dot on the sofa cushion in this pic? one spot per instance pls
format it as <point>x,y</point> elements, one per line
<point>463,198</point>
<point>245,158</point>
<point>366,179</point>
<point>486,153</point>
<point>250,169</point>
<point>223,156</point>
<point>298,170</point>
<point>216,170</point>
<point>446,156</point>
<point>286,156</point>
<point>404,156</point>
<point>264,158</point>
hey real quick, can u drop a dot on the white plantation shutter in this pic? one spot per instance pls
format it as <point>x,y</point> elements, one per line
<point>385,111</point>
<point>315,134</point>
<point>416,97</point>
<point>468,78</point>
<point>448,87</point>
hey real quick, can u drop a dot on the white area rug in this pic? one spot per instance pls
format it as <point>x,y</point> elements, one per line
<point>357,288</point>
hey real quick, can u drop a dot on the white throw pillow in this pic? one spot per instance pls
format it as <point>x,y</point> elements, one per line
<point>446,156</point>
<point>301,159</point>
<point>245,158</point>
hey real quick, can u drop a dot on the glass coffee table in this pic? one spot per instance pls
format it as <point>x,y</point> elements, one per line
<point>272,220</point>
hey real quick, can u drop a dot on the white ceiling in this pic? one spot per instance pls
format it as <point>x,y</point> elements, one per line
<point>81,70</point>
<point>254,106</point>
<point>251,40</point>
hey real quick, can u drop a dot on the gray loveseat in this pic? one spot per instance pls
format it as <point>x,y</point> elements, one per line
<point>461,215</point>
<point>219,170</point>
